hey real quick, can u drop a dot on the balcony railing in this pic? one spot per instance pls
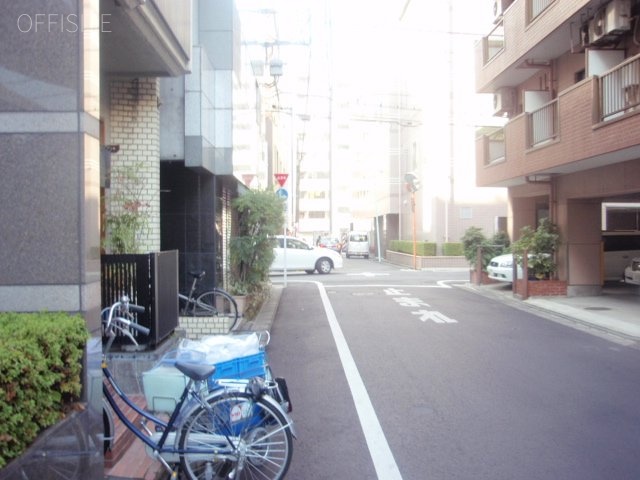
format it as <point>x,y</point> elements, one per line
<point>543,124</point>
<point>536,7</point>
<point>493,43</point>
<point>619,89</point>
<point>494,146</point>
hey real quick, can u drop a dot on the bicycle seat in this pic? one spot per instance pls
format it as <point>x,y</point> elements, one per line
<point>196,371</point>
<point>197,274</point>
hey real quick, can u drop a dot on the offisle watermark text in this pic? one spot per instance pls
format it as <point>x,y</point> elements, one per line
<point>58,23</point>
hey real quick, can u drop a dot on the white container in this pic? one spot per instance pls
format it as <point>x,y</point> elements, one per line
<point>163,385</point>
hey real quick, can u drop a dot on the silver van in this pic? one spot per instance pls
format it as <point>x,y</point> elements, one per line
<point>358,245</point>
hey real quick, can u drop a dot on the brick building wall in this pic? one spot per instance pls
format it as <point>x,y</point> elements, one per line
<point>135,127</point>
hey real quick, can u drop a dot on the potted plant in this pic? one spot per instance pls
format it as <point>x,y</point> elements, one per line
<point>540,245</point>
<point>260,216</point>
<point>239,291</point>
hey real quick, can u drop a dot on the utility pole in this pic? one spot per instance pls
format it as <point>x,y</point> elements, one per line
<point>413,185</point>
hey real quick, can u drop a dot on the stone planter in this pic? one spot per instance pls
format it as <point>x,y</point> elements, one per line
<point>482,279</point>
<point>541,288</point>
<point>241,301</point>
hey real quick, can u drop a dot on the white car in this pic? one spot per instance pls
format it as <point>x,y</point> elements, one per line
<point>301,256</point>
<point>501,268</point>
<point>632,272</point>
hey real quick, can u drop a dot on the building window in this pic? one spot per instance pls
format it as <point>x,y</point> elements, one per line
<point>466,213</point>
<point>317,214</point>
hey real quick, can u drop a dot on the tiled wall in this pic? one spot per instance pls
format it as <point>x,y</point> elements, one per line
<point>135,127</point>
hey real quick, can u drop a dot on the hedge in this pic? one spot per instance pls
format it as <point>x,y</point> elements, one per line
<point>423,249</point>
<point>40,375</point>
<point>452,249</point>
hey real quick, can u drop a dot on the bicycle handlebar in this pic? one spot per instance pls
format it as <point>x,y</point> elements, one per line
<point>133,325</point>
<point>136,308</point>
<point>116,318</point>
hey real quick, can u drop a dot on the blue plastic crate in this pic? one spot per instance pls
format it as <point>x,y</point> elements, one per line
<point>239,368</point>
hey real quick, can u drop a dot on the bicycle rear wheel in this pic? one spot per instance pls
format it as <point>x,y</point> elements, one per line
<point>219,304</point>
<point>239,437</point>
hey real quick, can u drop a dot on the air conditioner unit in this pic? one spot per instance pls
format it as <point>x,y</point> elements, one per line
<point>504,101</point>
<point>617,17</point>
<point>597,28</point>
<point>497,10</point>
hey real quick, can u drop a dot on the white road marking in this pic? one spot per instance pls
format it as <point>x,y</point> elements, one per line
<point>383,460</point>
<point>394,291</point>
<point>434,316</point>
<point>367,274</point>
<point>410,302</point>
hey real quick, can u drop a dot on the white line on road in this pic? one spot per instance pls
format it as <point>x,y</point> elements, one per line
<point>381,454</point>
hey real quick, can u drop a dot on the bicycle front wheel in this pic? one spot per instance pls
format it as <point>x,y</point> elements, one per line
<point>220,305</point>
<point>236,436</point>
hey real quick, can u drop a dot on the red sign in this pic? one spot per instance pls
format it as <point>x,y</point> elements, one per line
<point>281,178</point>
<point>247,178</point>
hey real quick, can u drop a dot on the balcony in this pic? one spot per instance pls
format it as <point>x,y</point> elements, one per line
<point>542,125</point>
<point>619,90</point>
<point>585,127</point>
<point>529,34</point>
<point>145,37</point>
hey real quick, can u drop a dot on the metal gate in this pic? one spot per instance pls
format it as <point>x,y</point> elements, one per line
<point>149,280</point>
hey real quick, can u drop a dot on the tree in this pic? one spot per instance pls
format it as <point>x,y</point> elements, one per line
<point>126,219</point>
<point>260,217</point>
<point>474,237</point>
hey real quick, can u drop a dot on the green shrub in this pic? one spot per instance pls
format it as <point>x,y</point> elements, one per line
<point>452,249</point>
<point>541,245</point>
<point>40,374</point>
<point>423,249</point>
<point>474,237</point>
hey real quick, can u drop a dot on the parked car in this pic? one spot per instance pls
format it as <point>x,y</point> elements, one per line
<point>358,244</point>
<point>330,242</point>
<point>301,256</point>
<point>620,249</point>
<point>632,272</point>
<point>501,268</point>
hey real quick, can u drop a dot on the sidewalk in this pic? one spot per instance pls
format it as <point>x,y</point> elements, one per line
<point>615,312</point>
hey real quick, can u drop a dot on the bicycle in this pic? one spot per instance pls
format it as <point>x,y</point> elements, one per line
<point>236,431</point>
<point>214,303</point>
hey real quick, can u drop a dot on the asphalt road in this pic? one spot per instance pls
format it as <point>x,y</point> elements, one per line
<point>400,374</point>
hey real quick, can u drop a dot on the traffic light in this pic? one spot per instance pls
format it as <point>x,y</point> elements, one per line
<point>412,182</point>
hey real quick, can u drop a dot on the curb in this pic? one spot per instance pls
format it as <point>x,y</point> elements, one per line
<point>265,317</point>
<point>553,315</point>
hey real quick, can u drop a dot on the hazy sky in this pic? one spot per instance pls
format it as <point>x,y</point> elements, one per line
<point>372,48</point>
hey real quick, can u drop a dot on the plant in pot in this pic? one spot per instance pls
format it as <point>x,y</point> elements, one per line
<point>540,245</point>
<point>260,215</point>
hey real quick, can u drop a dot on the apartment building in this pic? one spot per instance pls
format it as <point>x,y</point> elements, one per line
<point>566,74</point>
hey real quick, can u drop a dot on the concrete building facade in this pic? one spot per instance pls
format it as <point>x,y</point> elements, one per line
<point>108,107</point>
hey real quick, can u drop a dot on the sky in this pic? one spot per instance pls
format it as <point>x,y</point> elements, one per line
<point>362,48</point>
